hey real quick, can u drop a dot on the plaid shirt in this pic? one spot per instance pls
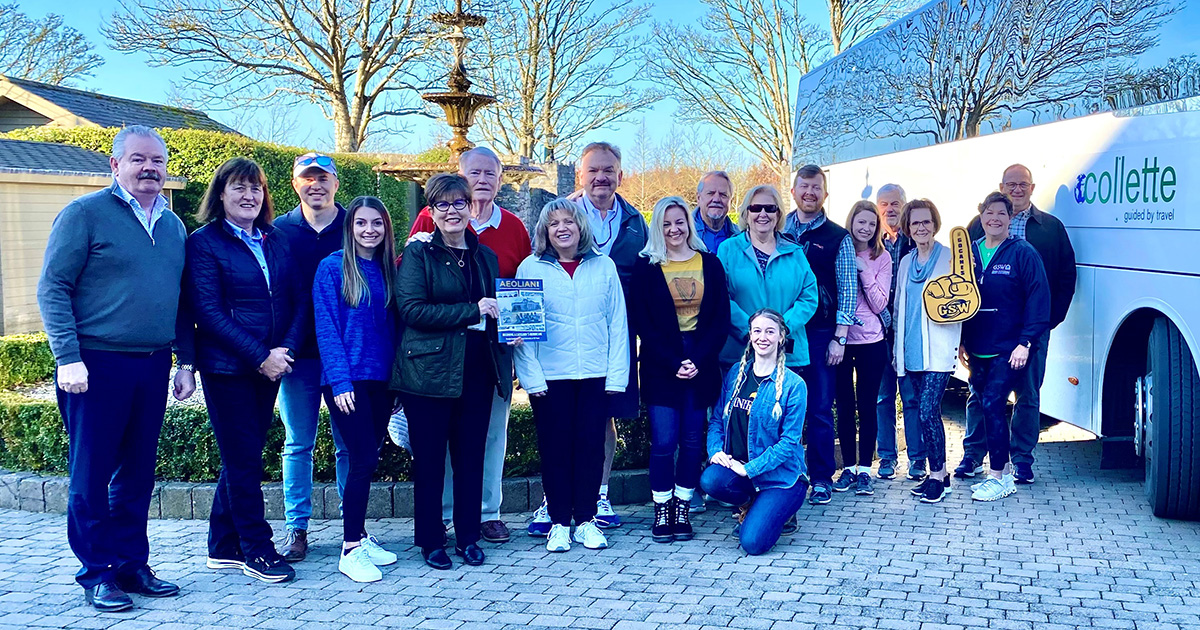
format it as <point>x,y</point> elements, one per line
<point>1016,229</point>
<point>845,268</point>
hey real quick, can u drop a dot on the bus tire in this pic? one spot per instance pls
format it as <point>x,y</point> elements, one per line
<point>1172,430</point>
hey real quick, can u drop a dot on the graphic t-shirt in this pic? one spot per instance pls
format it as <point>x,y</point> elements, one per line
<point>685,280</point>
<point>739,417</point>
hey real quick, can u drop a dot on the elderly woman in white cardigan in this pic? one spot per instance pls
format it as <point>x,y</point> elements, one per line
<point>925,351</point>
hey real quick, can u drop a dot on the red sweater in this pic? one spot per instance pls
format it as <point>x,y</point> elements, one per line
<point>510,240</point>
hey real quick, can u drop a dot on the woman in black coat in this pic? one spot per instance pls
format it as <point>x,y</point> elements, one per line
<point>447,364</point>
<point>680,308</point>
<point>247,302</point>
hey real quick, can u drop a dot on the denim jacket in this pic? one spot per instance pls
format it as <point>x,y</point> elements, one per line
<point>776,455</point>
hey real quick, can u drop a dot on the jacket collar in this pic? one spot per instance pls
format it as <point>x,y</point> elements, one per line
<point>469,236</point>
<point>550,257</point>
<point>264,229</point>
<point>1035,214</point>
<point>296,217</point>
<point>783,246</point>
<point>728,228</point>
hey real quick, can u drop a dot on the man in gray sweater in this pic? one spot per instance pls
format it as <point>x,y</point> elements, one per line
<point>109,295</point>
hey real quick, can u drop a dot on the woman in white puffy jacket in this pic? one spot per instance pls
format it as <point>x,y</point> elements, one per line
<point>585,356</point>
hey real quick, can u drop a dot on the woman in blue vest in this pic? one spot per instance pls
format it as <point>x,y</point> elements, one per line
<point>1013,314</point>
<point>764,270</point>
<point>754,437</point>
<point>680,308</point>
<point>356,332</point>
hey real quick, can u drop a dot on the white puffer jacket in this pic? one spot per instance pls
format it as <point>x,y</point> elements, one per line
<point>586,329</point>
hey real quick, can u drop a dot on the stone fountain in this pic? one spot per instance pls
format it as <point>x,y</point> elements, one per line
<point>460,105</point>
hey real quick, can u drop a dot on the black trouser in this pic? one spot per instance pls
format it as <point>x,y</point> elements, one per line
<point>867,361</point>
<point>571,419</point>
<point>992,380</point>
<point>241,409</point>
<point>818,418</point>
<point>362,432</point>
<point>460,424</point>
<point>112,434</point>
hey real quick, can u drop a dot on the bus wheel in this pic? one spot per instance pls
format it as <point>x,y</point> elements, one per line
<point>1169,415</point>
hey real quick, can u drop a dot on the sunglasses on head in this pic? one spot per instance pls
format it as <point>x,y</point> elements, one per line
<point>769,208</point>
<point>309,160</point>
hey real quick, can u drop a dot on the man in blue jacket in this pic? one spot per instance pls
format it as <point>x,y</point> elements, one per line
<point>1049,237</point>
<point>713,194</point>
<point>109,295</point>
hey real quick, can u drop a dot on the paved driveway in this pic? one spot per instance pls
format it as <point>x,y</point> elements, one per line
<point>1078,549</point>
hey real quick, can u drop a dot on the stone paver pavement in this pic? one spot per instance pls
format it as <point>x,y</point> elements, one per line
<point>1079,549</point>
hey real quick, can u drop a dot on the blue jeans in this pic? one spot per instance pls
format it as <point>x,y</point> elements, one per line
<point>1026,415</point>
<point>771,509</point>
<point>821,379</point>
<point>299,407</point>
<point>886,415</point>
<point>679,427</point>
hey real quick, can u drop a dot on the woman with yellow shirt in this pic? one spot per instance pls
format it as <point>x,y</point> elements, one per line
<point>679,305</point>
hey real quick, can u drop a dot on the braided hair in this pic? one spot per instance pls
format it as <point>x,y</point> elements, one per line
<point>745,364</point>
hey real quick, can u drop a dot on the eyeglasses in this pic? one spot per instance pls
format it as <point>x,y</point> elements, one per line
<point>444,206</point>
<point>314,159</point>
<point>769,208</point>
<point>1018,185</point>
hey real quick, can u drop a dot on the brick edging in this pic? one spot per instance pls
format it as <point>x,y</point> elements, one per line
<point>32,492</point>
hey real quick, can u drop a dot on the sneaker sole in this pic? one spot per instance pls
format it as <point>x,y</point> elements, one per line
<point>1023,482</point>
<point>597,548</point>
<point>220,563</point>
<point>968,474</point>
<point>537,534</point>
<point>683,537</point>
<point>937,500</point>
<point>664,539</point>
<point>882,476</point>
<point>606,525</point>
<point>367,581</point>
<point>820,501</point>
<point>263,577</point>
<point>1005,495</point>
<point>559,549</point>
<point>837,489</point>
<point>864,493</point>
<point>917,477</point>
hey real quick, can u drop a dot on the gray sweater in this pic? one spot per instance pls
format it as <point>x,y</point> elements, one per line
<point>106,284</point>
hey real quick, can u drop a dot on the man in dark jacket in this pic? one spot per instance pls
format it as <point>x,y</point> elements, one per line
<point>314,231</point>
<point>109,295</point>
<point>620,233</point>
<point>1049,237</point>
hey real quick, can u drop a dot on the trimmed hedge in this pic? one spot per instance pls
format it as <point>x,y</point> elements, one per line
<point>32,439</point>
<point>196,155</point>
<point>25,359</point>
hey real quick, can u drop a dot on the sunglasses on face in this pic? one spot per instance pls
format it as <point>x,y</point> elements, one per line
<point>310,160</point>
<point>444,206</point>
<point>769,208</point>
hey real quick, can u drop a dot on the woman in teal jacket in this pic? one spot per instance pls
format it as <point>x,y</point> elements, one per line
<point>765,271</point>
<point>757,461</point>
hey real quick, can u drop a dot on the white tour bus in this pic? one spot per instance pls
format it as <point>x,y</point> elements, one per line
<point>1101,100</point>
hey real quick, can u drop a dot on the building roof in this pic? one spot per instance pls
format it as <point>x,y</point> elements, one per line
<point>23,156</point>
<point>106,111</point>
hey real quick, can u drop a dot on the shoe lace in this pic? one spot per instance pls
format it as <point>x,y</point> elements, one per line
<point>662,514</point>
<point>683,512</point>
<point>603,503</point>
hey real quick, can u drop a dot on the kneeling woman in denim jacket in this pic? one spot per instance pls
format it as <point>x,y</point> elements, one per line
<point>754,437</point>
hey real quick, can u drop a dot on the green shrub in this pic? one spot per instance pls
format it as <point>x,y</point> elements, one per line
<point>25,359</point>
<point>32,438</point>
<point>196,154</point>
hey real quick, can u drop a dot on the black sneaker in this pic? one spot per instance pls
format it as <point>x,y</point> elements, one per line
<point>968,468</point>
<point>821,494</point>
<point>272,570</point>
<point>1023,473</point>
<point>919,489</point>
<point>789,526</point>
<point>845,481</point>
<point>681,521</point>
<point>660,531</point>
<point>934,490</point>
<point>916,470</point>
<point>863,486</point>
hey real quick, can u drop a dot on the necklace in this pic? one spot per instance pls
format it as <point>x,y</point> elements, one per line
<point>462,260</point>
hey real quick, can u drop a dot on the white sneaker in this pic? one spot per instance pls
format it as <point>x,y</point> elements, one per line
<point>539,527</point>
<point>590,536</point>
<point>605,518</point>
<point>559,539</point>
<point>379,556</point>
<point>357,566</point>
<point>993,489</point>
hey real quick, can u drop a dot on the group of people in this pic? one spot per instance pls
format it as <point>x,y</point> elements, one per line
<point>754,328</point>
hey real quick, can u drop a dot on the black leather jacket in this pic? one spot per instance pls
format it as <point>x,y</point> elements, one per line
<point>238,318</point>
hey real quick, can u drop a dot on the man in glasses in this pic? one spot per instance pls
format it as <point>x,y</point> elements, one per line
<point>1049,237</point>
<point>713,193</point>
<point>314,230</point>
<point>830,252</point>
<point>505,234</point>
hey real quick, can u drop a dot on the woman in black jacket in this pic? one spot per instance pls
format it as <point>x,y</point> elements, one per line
<point>246,297</point>
<point>1014,311</point>
<point>680,308</point>
<point>447,364</point>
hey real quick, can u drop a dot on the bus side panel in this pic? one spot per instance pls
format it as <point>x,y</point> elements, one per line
<point>1071,356</point>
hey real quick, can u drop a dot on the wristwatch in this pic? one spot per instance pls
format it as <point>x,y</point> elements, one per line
<point>841,341</point>
<point>187,367</point>
<point>1028,344</point>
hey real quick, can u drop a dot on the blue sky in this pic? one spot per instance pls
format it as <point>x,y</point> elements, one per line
<point>153,84</point>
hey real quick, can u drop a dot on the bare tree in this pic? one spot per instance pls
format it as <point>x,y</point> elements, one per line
<point>43,49</point>
<point>734,71</point>
<point>851,21</point>
<point>559,69</point>
<point>361,61</point>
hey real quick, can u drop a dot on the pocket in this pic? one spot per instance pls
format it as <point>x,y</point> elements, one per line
<point>414,348</point>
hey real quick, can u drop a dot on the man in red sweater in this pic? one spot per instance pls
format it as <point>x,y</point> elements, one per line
<point>505,234</point>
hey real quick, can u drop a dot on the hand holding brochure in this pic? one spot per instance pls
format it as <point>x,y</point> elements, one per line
<point>522,309</point>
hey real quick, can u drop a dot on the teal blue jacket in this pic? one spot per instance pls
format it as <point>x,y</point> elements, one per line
<point>773,443</point>
<point>788,286</point>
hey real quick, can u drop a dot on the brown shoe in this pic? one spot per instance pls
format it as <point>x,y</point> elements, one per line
<point>295,545</point>
<point>494,531</point>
